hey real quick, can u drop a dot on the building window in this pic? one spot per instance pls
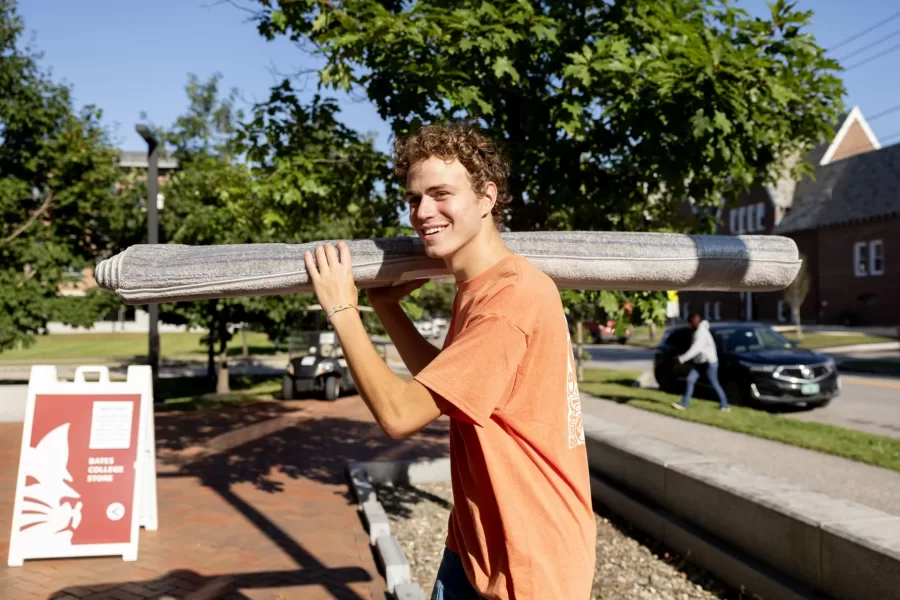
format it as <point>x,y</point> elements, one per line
<point>868,258</point>
<point>717,311</point>
<point>732,221</point>
<point>687,310</point>
<point>742,214</point>
<point>861,259</point>
<point>706,310</point>
<point>751,218</point>
<point>876,257</point>
<point>780,311</point>
<point>761,216</point>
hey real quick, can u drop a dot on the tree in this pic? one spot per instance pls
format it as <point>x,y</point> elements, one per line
<point>614,113</point>
<point>59,194</point>
<point>288,173</point>
<point>796,293</point>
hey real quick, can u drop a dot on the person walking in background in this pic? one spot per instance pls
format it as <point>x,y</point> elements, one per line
<point>705,358</point>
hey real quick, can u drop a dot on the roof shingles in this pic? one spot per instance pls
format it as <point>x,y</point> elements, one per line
<point>859,188</point>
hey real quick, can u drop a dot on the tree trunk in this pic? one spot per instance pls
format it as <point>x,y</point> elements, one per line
<point>222,383</point>
<point>211,344</point>
<point>652,331</point>
<point>579,334</point>
<point>797,327</point>
<point>244,351</point>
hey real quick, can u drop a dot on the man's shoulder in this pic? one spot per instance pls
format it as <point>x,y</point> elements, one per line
<point>520,292</point>
<point>534,281</point>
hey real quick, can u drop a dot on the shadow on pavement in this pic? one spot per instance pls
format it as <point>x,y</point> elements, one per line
<point>311,448</point>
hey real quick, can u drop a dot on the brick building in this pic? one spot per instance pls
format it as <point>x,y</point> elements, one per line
<point>845,220</point>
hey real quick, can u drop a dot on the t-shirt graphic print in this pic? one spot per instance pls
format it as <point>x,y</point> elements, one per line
<point>573,399</point>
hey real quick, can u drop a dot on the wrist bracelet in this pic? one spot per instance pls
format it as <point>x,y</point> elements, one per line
<point>339,308</point>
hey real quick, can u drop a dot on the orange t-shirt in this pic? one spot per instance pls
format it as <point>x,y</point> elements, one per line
<point>522,520</point>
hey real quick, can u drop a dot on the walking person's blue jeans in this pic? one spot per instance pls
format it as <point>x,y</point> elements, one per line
<point>451,582</point>
<point>712,373</point>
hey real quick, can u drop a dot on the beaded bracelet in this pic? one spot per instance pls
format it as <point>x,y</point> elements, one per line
<point>339,308</point>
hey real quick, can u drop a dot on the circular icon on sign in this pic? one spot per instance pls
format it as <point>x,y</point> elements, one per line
<point>115,511</point>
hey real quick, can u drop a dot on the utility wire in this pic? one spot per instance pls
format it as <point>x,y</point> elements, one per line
<point>883,113</point>
<point>871,58</point>
<point>856,36</point>
<point>872,45</point>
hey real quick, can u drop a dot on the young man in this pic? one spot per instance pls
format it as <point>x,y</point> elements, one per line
<point>522,524</point>
<point>703,353</point>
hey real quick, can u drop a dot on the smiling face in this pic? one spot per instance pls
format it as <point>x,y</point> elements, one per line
<point>445,211</point>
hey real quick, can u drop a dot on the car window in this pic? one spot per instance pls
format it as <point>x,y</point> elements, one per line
<point>749,339</point>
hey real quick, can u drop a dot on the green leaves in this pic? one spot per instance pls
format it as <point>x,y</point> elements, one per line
<point>60,210</point>
<point>504,66</point>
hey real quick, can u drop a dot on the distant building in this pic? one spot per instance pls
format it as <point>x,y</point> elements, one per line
<point>845,220</point>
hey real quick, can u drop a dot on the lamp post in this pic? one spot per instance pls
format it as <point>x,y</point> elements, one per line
<point>152,238</point>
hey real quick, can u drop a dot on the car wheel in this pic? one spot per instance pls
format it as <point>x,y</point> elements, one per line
<point>665,381</point>
<point>736,393</point>
<point>332,388</point>
<point>287,388</point>
<point>622,340</point>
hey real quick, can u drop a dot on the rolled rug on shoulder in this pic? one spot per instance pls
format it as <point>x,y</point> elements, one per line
<point>580,260</point>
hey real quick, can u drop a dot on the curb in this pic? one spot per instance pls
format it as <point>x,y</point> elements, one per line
<point>792,542</point>
<point>388,551</point>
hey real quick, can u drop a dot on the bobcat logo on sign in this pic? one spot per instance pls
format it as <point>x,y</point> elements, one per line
<point>573,400</point>
<point>45,515</point>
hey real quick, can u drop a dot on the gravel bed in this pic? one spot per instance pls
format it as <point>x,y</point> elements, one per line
<point>630,565</point>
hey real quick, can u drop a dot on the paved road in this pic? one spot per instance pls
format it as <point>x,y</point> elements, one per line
<point>619,357</point>
<point>866,403</point>
<point>832,475</point>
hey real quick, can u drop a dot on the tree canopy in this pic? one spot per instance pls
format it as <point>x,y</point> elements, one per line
<point>613,112</point>
<point>616,114</point>
<point>58,193</point>
<point>288,172</point>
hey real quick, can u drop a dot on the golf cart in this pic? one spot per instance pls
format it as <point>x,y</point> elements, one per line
<point>322,369</point>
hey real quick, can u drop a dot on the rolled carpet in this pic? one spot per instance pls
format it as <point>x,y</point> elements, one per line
<point>585,260</point>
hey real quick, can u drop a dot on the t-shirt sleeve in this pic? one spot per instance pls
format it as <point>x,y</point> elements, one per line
<point>477,371</point>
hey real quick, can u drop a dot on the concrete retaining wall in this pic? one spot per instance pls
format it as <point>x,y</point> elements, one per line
<point>803,543</point>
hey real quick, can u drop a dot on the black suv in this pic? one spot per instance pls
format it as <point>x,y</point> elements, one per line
<point>756,366</point>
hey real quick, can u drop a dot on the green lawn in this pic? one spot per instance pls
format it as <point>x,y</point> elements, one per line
<point>864,447</point>
<point>128,346</point>
<point>192,393</point>
<point>824,340</point>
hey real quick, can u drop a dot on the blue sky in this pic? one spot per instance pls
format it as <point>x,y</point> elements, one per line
<point>128,56</point>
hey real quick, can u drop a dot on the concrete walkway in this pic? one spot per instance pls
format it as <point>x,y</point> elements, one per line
<point>873,486</point>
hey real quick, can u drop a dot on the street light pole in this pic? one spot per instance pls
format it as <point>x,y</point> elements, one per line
<point>152,238</point>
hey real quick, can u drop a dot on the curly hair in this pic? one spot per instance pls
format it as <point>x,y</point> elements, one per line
<point>480,156</point>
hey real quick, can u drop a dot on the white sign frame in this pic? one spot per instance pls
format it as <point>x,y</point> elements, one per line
<point>43,381</point>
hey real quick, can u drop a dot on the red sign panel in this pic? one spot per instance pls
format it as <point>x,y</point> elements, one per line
<point>80,475</point>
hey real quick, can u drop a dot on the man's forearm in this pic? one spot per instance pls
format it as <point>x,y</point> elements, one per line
<point>415,350</point>
<point>377,384</point>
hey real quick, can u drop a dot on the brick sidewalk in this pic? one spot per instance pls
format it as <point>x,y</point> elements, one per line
<point>253,503</point>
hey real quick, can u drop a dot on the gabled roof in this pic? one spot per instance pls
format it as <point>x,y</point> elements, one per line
<point>858,188</point>
<point>783,191</point>
<point>855,115</point>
